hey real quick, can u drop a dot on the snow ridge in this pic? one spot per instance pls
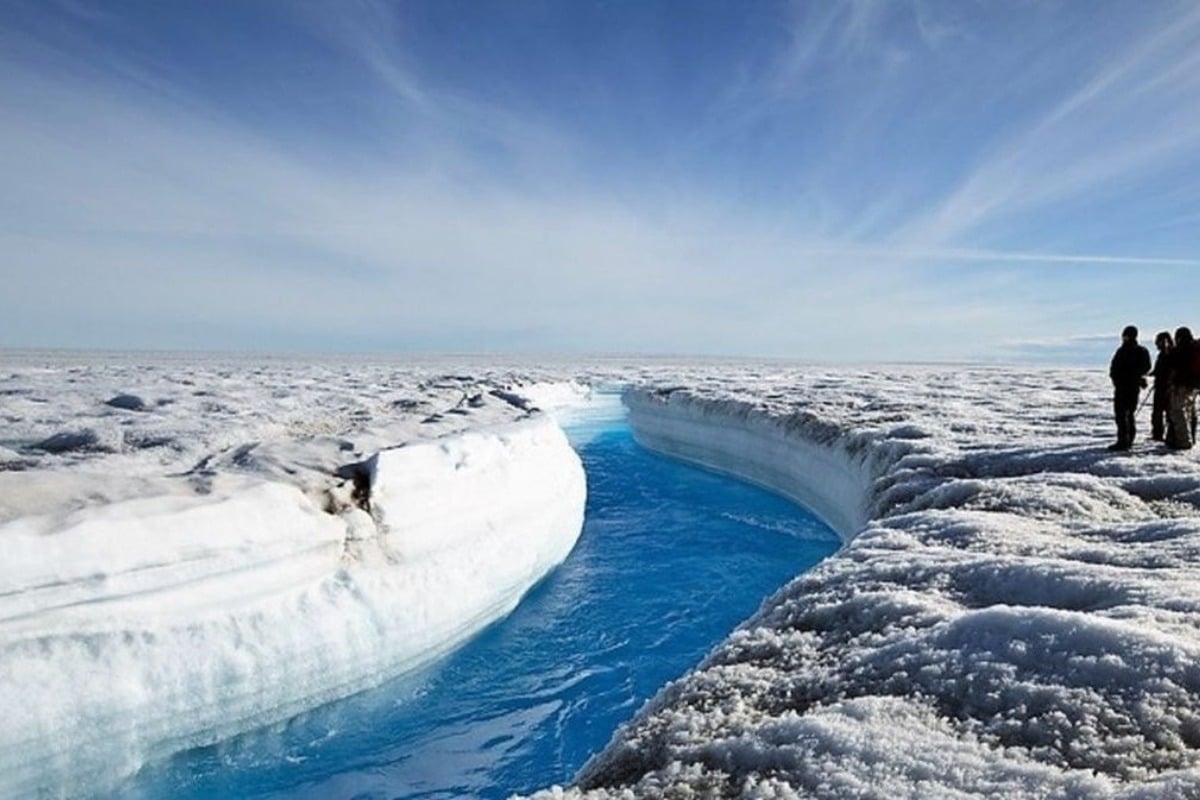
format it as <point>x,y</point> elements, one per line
<point>1016,616</point>
<point>150,625</point>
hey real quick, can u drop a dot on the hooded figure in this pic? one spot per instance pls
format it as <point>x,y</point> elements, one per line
<point>1185,377</point>
<point>1128,371</point>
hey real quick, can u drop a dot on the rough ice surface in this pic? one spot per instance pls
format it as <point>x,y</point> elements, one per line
<point>212,562</point>
<point>1015,614</point>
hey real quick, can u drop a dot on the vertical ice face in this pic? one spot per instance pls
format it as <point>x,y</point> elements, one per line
<point>136,629</point>
<point>787,456</point>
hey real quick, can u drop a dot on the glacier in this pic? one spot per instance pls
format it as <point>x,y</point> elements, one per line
<point>1015,612</point>
<point>177,612</point>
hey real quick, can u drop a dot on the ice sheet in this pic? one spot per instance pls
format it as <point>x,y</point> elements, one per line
<point>146,607</point>
<point>1016,613</point>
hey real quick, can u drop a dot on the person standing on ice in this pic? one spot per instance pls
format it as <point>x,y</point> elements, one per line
<point>1185,377</point>
<point>1128,371</point>
<point>1159,422</point>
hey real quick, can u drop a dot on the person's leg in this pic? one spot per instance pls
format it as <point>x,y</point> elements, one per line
<point>1190,412</point>
<point>1179,427</point>
<point>1158,417</point>
<point>1123,412</point>
<point>1119,418</point>
<point>1131,404</point>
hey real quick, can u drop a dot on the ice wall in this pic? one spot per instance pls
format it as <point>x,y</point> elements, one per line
<point>813,463</point>
<point>135,629</point>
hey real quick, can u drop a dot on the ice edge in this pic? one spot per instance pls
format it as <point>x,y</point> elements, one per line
<point>809,461</point>
<point>967,641</point>
<point>134,655</point>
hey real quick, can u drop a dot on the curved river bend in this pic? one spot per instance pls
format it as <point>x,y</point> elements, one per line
<point>671,559</point>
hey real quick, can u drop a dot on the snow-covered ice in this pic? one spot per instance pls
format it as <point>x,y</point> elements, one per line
<point>1015,613</point>
<point>1016,616</point>
<point>155,597</point>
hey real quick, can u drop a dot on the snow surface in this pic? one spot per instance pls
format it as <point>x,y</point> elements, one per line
<point>1016,612</point>
<point>1018,615</point>
<point>155,597</point>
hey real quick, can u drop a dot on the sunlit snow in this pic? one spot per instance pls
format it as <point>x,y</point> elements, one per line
<point>1015,613</point>
<point>1019,616</point>
<point>161,596</point>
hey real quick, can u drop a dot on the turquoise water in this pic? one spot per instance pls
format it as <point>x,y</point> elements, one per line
<point>671,558</point>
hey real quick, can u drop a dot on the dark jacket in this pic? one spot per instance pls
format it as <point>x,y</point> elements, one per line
<point>1129,366</point>
<point>1162,375</point>
<point>1185,371</point>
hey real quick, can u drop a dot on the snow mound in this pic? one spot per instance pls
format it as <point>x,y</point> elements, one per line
<point>126,402</point>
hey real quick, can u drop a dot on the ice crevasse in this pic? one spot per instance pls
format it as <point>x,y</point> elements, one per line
<point>148,626</point>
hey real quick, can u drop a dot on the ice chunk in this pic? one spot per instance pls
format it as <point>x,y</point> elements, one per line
<point>135,629</point>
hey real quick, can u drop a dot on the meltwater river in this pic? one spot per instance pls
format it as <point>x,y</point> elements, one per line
<point>671,558</point>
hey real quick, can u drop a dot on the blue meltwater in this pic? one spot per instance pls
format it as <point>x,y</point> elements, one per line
<point>671,559</point>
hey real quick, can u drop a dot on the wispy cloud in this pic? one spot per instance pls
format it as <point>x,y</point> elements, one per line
<point>1081,349</point>
<point>958,255</point>
<point>1136,113</point>
<point>140,209</point>
<point>822,32</point>
<point>366,30</point>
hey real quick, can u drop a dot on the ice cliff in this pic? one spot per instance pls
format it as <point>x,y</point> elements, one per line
<point>1016,612</point>
<point>135,628</point>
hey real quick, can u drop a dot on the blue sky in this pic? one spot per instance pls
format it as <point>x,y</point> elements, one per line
<point>835,181</point>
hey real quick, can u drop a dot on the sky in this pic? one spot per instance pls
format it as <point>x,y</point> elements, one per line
<point>835,181</point>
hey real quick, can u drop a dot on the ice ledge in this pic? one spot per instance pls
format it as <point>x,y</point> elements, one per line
<point>830,472</point>
<point>149,626</point>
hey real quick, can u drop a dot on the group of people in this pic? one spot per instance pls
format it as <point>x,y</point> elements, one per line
<point>1176,373</point>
